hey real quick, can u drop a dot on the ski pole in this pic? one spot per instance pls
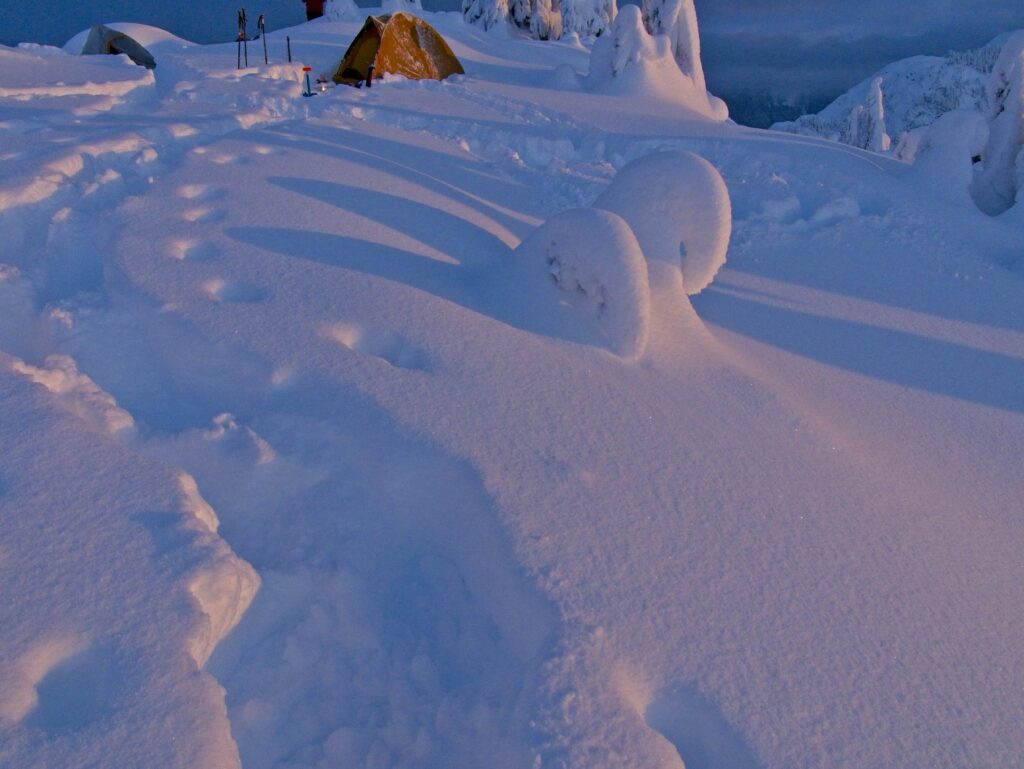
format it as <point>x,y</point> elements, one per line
<point>243,35</point>
<point>309,88</point>
<point>261,25</point>
<point>288,42</point>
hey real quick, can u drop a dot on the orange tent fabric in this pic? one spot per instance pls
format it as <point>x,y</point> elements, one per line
<point>400,44</point>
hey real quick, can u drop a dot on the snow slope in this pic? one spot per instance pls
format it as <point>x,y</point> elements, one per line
<point>381,429</point>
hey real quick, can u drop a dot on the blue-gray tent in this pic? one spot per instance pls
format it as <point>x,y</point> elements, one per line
<point>103,39</point>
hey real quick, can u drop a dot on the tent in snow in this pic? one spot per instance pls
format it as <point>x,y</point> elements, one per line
<point>399,43</point>
<point>103,39</point>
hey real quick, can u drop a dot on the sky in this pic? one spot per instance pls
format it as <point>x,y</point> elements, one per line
<point>793,49</point>
<point>815,47</point>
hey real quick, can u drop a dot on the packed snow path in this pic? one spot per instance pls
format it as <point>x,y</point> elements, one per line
<point>787,533</point>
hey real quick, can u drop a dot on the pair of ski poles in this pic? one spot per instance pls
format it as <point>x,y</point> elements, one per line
<point>243,37</point>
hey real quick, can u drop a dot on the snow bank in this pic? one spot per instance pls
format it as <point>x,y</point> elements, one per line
<point>630,61</point>
<point>594,262</point>
<point>33,73</point>
<point>680,211</point>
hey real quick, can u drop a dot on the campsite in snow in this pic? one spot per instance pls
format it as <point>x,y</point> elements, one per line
<point>465,388</point>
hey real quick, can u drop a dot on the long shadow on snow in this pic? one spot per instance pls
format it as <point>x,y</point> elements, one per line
<point>461,179</point>
<point>943,368</point>
<point>491,292</point>
<point>451,235</point>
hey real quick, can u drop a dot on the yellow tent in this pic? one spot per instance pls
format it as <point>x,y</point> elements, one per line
<point>401,44</point>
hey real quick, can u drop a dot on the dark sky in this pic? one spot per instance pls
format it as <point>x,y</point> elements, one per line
<point>812,48</point>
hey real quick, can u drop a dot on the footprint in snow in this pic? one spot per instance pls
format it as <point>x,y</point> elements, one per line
<point>204,215</point>
<point>200,192</point>
<point>698,731</point>
<point>77,691</point>
<point>233,291</point>
<point>192,250</point>
<point>389,347</point>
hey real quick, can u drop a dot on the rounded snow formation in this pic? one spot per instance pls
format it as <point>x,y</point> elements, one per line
<point>594,261</point>
<point>679,209</point>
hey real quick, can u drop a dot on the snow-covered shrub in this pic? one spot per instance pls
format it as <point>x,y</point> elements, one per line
<point>341,10</point>
<point>867,121</point>
<point>680,211</point>
<point>592,260</point>
<point>945,151</point>
<point>998,187</point>
<point>485,13</point>
<point>546,20</point>
<point>588,18</point>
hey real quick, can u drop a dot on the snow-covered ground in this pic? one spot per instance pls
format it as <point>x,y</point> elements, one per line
<point>423,426</point>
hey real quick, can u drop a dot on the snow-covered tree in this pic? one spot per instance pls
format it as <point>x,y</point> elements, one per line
<point>867,121</point>
<point>395,6</point>
<point>546,20</point>
<point>520,12</point>
<point>678,20</point>
<point>485,13</point>
<point>341,10</point>
<point>1000,183</point>
<point>588,18</point>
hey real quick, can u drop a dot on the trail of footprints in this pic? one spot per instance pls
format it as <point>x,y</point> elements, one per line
<point>389,347</point>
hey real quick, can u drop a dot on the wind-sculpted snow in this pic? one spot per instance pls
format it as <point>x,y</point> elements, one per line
<point>594,263</point>
<point>679,208</point>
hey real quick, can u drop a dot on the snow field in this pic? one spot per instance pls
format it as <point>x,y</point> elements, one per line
<point>367,347</point>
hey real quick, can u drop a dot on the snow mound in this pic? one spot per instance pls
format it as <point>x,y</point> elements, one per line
<point>679,208</point>
<point>596,265</point>
<point>31,74</point>
<point>630,61</point>
<point>944,153</point>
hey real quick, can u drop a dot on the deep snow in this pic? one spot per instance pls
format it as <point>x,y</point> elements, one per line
<point>408,382</point>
